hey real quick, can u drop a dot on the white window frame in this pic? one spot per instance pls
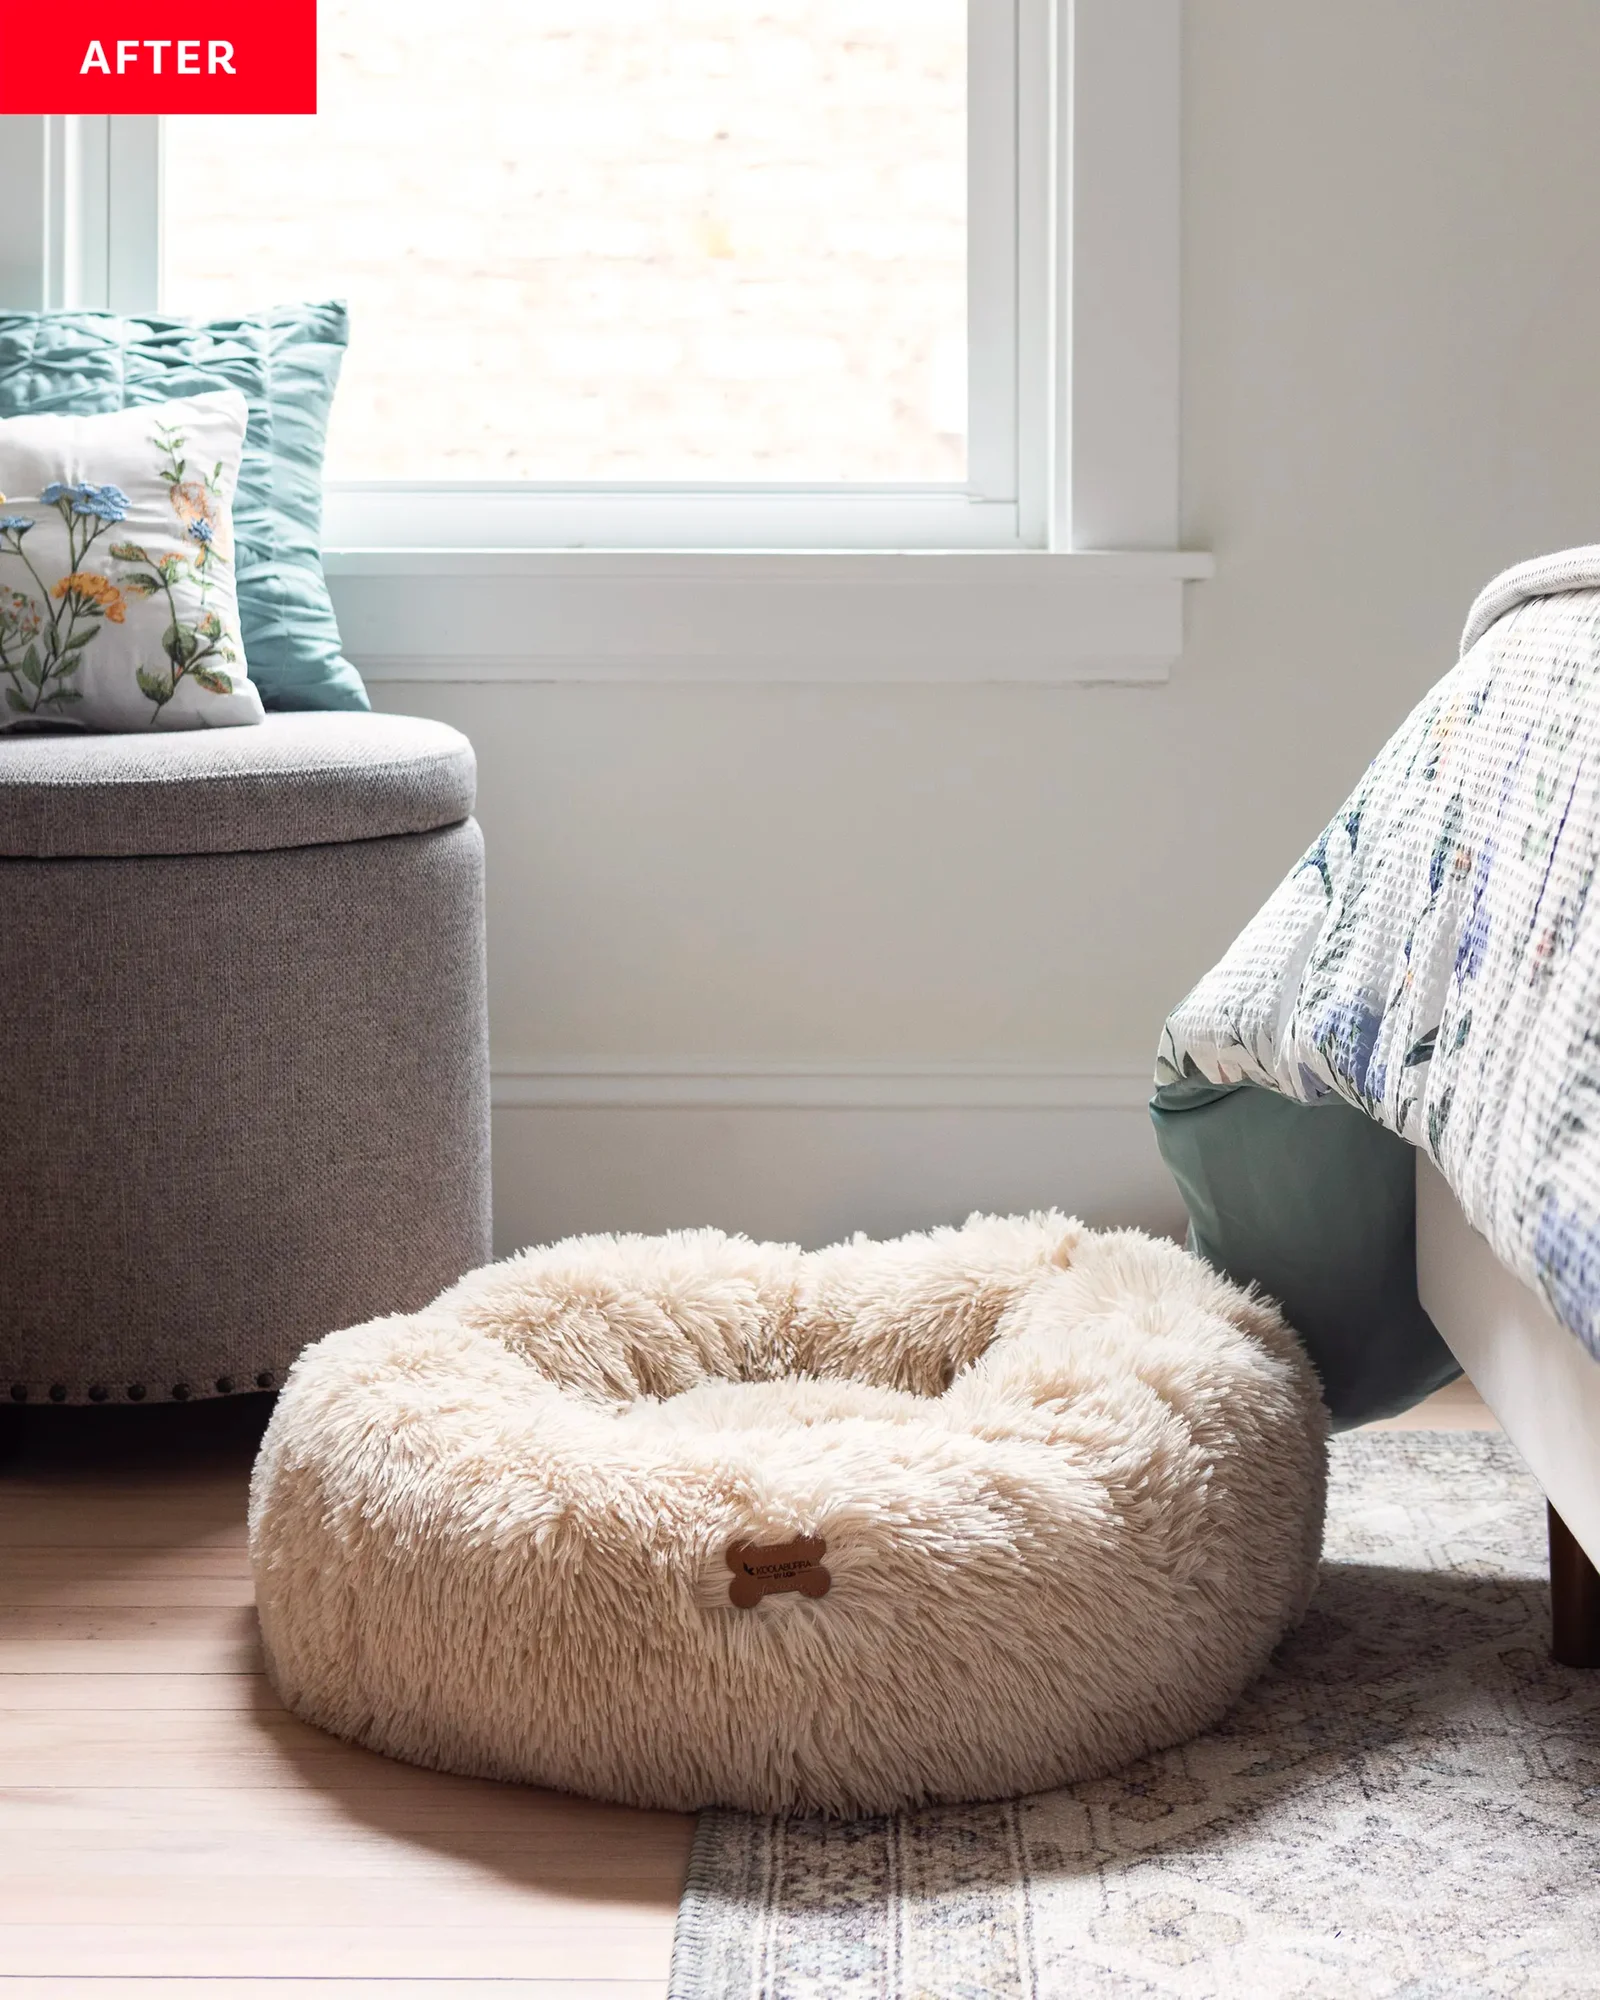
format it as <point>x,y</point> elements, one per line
<point>1057,560</point>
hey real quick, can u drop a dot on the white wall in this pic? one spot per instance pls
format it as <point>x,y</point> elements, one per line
<point>1392,388</point>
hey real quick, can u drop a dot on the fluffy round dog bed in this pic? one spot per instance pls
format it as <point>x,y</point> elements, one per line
<point>690,1520</point>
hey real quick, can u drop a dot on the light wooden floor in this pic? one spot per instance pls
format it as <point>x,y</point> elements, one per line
<point>1457,1408</point>
<point>162,1820</point>
<point>167,1830</point>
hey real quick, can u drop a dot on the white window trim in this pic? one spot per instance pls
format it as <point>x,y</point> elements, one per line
<point>749,615</point>
<point>1059,561</point>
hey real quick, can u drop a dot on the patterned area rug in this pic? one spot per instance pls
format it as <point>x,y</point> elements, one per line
<point>1407,1804</point>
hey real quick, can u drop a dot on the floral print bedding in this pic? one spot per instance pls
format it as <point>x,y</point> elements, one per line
<point>1434,958</point>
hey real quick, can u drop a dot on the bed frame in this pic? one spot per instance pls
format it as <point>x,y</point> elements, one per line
<point>1541,1383</point>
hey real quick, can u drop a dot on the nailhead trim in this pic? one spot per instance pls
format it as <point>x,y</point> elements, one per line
<point>136,1392</point>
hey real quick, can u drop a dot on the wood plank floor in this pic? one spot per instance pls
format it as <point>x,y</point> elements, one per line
<point>1458,1407</point>
<point>167,1830</point>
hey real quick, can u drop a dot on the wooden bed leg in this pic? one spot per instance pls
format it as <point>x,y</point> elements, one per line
<point>1574,1599</point>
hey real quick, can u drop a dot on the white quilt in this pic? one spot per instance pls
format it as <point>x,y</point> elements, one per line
<point>1434,960</point>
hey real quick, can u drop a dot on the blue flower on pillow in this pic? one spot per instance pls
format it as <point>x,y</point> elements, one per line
<point>202,531</point>
<point>14,524</point>
<point>105,503</point>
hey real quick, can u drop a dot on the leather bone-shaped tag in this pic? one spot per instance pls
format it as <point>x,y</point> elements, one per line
<point>760,1567</point>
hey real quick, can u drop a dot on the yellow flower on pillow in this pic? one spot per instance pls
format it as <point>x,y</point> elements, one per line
<point>89,592</point>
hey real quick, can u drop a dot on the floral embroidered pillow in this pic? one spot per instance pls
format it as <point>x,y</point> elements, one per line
<point>118,608</point>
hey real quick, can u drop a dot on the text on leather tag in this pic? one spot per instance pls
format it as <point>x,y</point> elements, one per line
<point>760,1567</point>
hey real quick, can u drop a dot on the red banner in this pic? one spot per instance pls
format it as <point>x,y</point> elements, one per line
<point>146,56</point>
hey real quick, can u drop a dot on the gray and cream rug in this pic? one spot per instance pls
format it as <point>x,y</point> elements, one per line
<point>1408,1804</point>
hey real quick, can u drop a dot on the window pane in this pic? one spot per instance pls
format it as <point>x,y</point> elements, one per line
<point>611,239</point>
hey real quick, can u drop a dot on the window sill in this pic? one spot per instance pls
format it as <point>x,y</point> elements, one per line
<point>647,616</point>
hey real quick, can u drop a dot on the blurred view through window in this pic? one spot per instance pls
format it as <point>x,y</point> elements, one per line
<point>611,240</point>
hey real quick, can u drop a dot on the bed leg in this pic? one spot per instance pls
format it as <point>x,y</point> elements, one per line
<point>1574,1599</point>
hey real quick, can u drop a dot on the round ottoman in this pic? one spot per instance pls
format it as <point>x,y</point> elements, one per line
<point>245,1094</point>
<point>690,1520</point>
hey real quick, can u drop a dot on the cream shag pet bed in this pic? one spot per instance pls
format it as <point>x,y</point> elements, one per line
<point>690,1520</point>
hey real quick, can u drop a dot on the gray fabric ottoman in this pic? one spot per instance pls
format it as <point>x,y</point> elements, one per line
<point>244,1092</point>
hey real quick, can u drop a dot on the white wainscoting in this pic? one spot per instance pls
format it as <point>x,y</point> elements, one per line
<point>809,1153</point>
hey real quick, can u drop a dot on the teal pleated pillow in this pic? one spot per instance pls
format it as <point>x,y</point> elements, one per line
<point>286,365</point>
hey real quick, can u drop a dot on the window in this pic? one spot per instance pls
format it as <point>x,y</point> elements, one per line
<point>608,255</point>
<point>753,296</point>
<point>612,240</point>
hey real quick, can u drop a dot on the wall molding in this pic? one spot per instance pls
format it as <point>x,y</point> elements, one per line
<point>581,1082</point>
<point>809,1153</point>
